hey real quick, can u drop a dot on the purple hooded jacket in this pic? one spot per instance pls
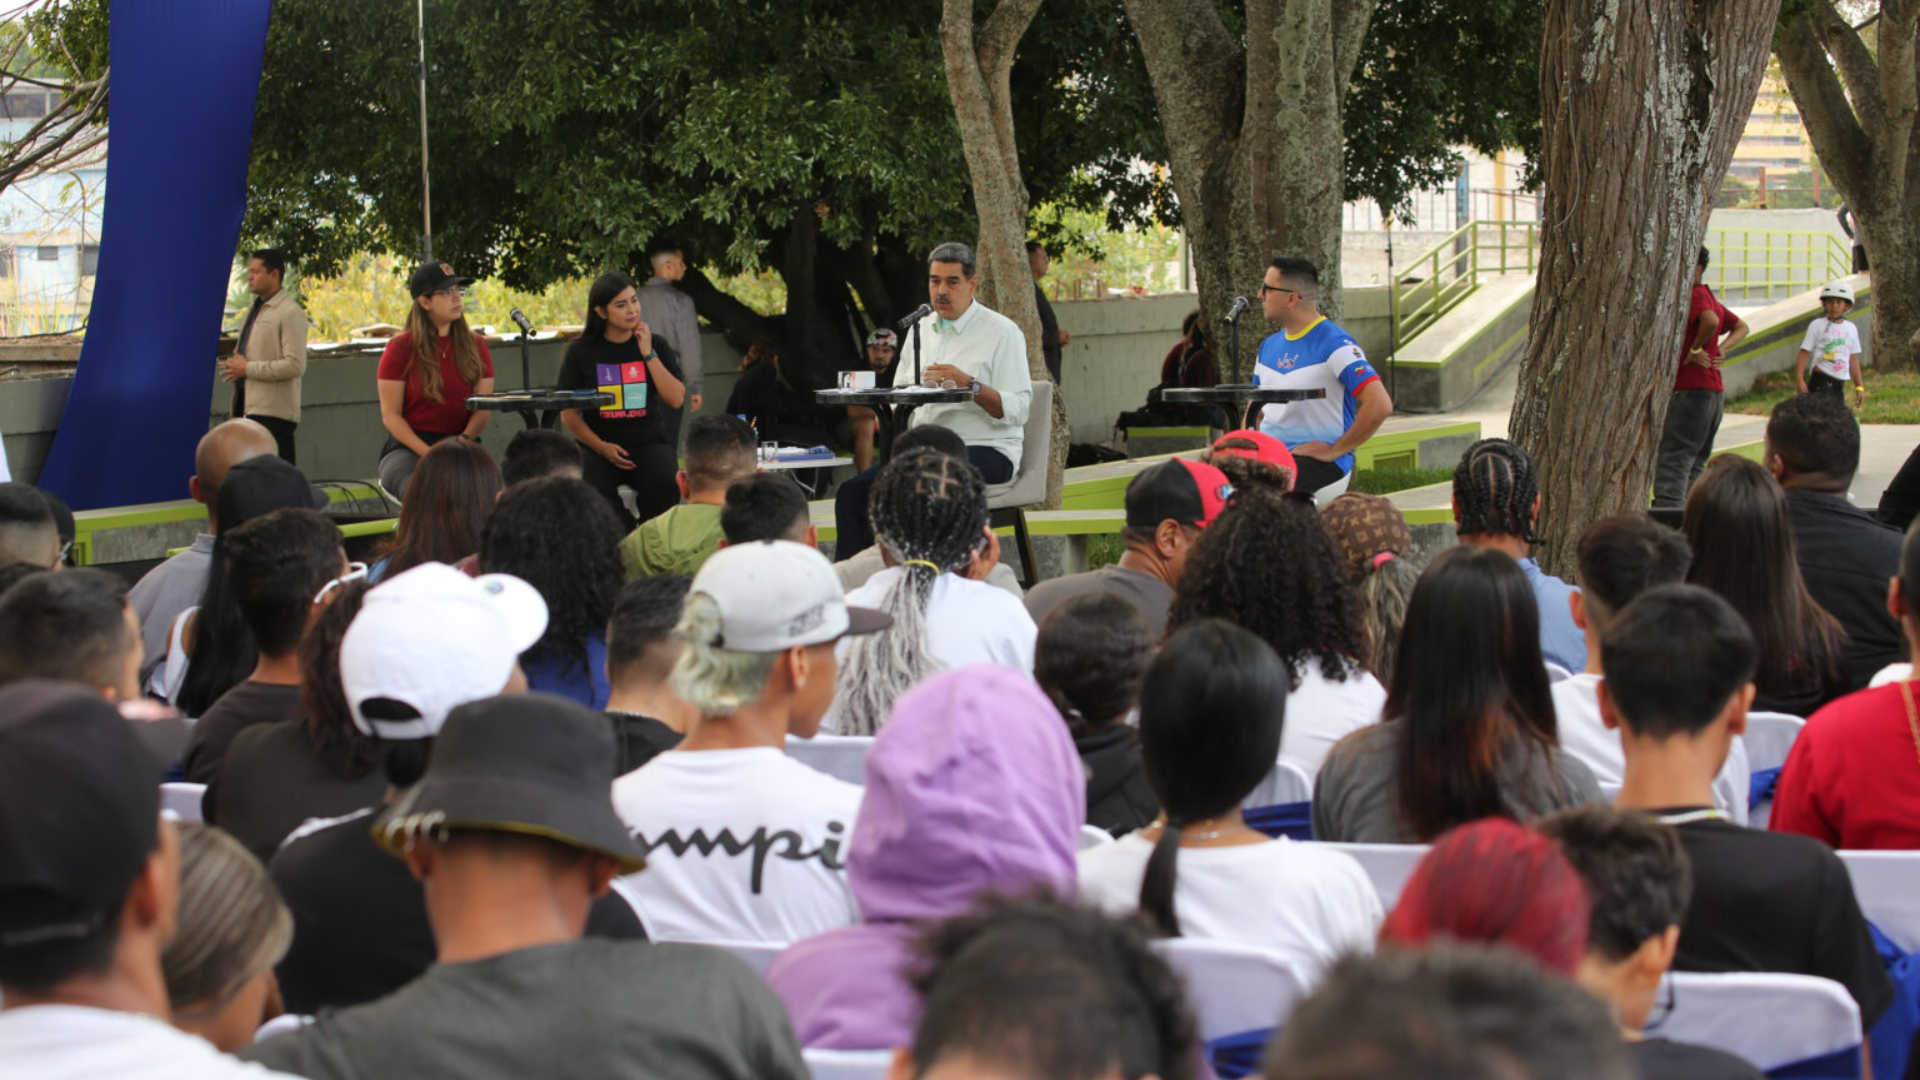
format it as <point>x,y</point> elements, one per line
<point>973,785</point>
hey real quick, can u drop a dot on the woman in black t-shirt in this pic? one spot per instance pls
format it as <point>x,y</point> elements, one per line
<point>627,441</point>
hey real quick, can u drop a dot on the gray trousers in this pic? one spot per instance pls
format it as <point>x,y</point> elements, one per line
<point>1686,441</point>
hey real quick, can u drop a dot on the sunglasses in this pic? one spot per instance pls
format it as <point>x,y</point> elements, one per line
<point>1266,288</point>
<point>356,571</point>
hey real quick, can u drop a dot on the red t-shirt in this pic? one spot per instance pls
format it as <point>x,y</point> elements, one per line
<point>1853,778</point>
<point>448,416</point>
<point>1694,376</point>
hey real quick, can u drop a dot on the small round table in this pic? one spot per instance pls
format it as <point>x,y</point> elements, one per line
<point>893,406</point>
<point>547,403</point>
<point>1245,395</point>
<point>818,468</point>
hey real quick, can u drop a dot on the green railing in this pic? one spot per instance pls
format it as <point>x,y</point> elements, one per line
<point>1436,282</point>
<point>1767,264</point>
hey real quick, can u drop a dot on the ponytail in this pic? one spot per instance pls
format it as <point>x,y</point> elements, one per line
<point>1157,886</point>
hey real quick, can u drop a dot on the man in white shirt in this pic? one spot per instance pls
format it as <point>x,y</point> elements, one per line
<point>89,892</point>
<point>1621,557</point>
<point>743,843</point>
<point>967,344</point>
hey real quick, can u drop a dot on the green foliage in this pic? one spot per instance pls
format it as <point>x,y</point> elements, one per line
<point>1893,397</point>
<point>1388,481</point>
<point>75,29</point>
<point>1088,251</point>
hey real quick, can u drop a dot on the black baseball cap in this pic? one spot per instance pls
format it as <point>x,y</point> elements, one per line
<point>1189,492</point>
<point>535,764</point>
<point>259,486</point>
<point>431,277</point>
<point>79,811</point>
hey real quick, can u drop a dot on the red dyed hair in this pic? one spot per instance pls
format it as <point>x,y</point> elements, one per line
<point>1498,883</point>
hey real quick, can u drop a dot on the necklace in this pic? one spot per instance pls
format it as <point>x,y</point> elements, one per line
<point>1212,834</point>
<point>1690,817</point>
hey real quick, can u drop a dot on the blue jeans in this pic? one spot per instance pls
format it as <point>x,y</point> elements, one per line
<point>852,530</point>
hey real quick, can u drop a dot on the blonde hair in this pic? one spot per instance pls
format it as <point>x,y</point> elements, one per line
<point>426,355</point>
<point>714,680</point>
<point>233,925</point>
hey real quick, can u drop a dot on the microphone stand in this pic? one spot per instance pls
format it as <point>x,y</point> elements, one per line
<point>1234,323</point>
<point>916,351</point>
<point>526,362</point>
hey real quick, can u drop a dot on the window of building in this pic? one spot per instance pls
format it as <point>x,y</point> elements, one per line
<point>24,105</point>
<point>89,260</point>
<point>48,252</point>
<point>6,262</point>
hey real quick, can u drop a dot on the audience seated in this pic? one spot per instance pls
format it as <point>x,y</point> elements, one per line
<point>538,452</point>
<point>1167,507</point>
<point>561,537</point>
<point>89,891</point>
<point>210,650</point>
<point>1210,722</point>
<point>28,532</point>
<point>972,787</point>
<point>452,491</point>
<point>1090,658</point>
<point>1032,990</point>
<point>276,567</point>
<point>1268,565</point>
<point>743,842</point>
<point>64,527</point>
<point>1253,459</point>
<point>1638,880</point>
<point>1449,1012</point>
<point>1845,555</point>
<point>766,506</point>
<point>1679,666</point>
<point>642,648</point>
<point>1375,544</point>
<point>165,591</point>
<point>930,515</point>
<point>1620,558</point>
<point>512,837</point>
<point>424,642</point>
<point>1494,882</point>
<point>315,765</point>
<point>860,560</point>
<point>1853,777</point>
<point>14,573</point>
<point>232,930</point>
<point>75,626</point>
<point>1740,528</point>
<point>720,450</point>
<point>1470,724</point>
<point>1496,503</point>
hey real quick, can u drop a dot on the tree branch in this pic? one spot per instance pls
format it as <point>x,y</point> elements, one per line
<point>1000,34</point>
<point>1857,66</point>
<point>1350,19</point>
<point>1839,141</point>
<point>1194,65</point>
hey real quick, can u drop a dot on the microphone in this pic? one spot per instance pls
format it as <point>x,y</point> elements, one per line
<point>925,310</point>
<point>520,319</point>
<point>1238,308</point>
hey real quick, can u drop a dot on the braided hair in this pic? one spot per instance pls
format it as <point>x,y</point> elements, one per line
<point>1494,487</point>
<point>928,510</point>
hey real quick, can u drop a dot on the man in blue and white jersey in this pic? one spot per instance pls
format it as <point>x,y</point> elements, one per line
<point>1312,353</point>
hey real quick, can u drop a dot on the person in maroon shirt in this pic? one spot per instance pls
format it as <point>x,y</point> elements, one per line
<point>1694,410</point>
<point>424,388</point>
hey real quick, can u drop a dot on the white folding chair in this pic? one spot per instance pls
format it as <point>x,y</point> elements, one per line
<point>1770,1019</point>
<point>1388,866</point>
<point>1556,673</point>
<point>1285,783</point>
<point>758,955</point>
<point>848,1064</point>
<point>843,757</point>
<point>1092,836</point>
<point>281,1025</point>
<point>1234,989</point>
<point>1006,502</point>
<point>1885,884</point>
<point>182,800</point>
<point>1770,736</point>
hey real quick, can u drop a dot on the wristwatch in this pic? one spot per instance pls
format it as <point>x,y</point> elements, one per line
<point>974,386</point>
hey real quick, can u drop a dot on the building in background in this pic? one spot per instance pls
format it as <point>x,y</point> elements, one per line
<point>49,230</point>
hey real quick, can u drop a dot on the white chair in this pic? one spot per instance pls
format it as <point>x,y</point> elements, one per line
<point>1092,836</point>
<point>1388,866</point>
<point>1885,884</point>
<point>1556,673</point>
<point>1234,989</point>
<point>182,800</point>
<point>843,757</point>
<point>757,955</point>
<point>1770,736</point>
<point>848,1064</point>
<point>281,1025</point>
<point>1285,783</point>
<point>1770,1019</point>
<point>1029,483</point>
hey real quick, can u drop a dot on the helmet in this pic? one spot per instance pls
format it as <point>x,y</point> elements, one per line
<point>1838,290</point>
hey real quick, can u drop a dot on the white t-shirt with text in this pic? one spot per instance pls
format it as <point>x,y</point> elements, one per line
<point>1576,704</point>
<point>1830,346</point>
<point>741,845</point>
<point>73,1042</point>
<point>1321,712</point>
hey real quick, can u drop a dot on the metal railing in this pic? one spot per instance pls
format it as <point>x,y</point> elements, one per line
<point>1766,264</point>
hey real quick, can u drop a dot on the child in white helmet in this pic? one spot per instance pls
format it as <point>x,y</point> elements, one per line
<point>1834,345</point>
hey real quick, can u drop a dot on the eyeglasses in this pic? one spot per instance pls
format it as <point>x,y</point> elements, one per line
<point>61,559</point>
<point>453,290</point>
<point>1266,288</point>
<point>356,571</point>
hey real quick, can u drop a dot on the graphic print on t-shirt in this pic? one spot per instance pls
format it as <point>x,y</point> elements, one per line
<point>1325,358</point>
<point>785,843</point>
<point>628,385</point>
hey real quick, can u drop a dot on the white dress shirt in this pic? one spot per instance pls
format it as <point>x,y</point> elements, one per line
<point>990,347</point>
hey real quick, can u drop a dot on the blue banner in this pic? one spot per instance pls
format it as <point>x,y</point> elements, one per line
<point>185,74</point>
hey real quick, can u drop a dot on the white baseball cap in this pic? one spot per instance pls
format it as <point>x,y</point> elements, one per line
<point>431,639</point>
<point>776,594</point>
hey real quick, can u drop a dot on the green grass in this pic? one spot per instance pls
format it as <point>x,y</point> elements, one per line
<point>1388,481</point>
<point>1893,397</point>
<point>1104,550</point>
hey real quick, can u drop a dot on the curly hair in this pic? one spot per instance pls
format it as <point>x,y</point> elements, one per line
<point>558,535</point>
<point>1494,486</point>
<point>1267,564</point>
<point>928,510</point>
<point>326,719</point>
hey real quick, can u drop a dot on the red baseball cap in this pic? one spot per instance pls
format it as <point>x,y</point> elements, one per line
<point>1267,451</point>
<point>1189,492</point>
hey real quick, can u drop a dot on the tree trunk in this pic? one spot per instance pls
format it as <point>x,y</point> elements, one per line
<point>978,63</point>
<point>1643,101</point>
<point>1254,138</point>
<point>1863,134</point>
